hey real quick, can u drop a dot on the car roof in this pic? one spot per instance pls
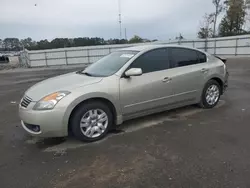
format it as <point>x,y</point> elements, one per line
<point>142,48</point>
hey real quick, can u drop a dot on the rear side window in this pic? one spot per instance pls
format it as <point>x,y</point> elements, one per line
<point>202,57</point>
<point>181,57</point>
<point>152,61</point>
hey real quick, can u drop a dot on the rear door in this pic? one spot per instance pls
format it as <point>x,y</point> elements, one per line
<point>187,76</point>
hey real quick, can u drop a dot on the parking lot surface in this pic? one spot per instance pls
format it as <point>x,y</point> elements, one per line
<point>187,147</point>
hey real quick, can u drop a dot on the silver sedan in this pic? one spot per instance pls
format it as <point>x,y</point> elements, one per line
<point>126,84</point>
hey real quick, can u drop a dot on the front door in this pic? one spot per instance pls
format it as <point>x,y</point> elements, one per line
<point>152,89</point>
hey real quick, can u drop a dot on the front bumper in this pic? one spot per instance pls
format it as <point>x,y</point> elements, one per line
<point>50,122</point>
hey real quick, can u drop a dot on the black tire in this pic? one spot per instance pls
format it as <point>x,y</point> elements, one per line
<point>79,113</point>
<point>203,103</point>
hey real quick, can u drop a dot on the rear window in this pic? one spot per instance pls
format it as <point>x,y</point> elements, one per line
<point>181,57</point>
<point>202,57</point>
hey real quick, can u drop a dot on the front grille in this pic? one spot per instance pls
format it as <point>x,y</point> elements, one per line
<point>26,101</point>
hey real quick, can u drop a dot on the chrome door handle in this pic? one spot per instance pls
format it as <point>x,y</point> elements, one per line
<point>204,70</point>
<point>167,79</point>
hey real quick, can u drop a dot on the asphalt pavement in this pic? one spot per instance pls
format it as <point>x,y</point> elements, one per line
<point>186,148</point>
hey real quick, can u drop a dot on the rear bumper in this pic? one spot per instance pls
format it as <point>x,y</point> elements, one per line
<point>225,85</point>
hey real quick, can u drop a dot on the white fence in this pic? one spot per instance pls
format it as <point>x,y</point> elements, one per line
<point>227,46</point>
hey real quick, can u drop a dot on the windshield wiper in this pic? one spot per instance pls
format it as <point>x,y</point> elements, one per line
<point>85,73</point>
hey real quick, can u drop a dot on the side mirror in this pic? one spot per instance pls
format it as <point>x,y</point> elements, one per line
<point>133,72</point>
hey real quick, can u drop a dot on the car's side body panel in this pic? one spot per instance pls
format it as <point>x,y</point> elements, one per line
<point>144,92</point>
<point>187,83</point>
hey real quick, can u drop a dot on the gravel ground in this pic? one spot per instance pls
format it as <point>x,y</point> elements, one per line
<point>187,147</point>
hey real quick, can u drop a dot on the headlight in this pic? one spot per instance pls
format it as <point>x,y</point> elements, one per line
<point>50,101</point>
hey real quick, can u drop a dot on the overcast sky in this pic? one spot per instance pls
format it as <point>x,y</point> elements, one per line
<point>160,19</point>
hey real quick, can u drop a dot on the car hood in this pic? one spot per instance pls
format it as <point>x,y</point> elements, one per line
<point>64,82</point>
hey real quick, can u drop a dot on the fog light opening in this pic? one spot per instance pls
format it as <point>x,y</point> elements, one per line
<point>34,128</point>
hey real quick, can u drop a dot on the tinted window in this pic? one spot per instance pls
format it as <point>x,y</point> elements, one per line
<point>202,57</point>
<point>183,57</point>
<point>155,60</point>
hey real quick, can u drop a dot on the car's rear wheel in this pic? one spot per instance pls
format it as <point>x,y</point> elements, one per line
<point>211,94</point>
<point>91,121</point>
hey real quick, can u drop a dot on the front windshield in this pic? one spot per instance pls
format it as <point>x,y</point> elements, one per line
<point>110,64</point>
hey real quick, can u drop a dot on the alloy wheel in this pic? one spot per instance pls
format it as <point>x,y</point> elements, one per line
<point>94,123</point>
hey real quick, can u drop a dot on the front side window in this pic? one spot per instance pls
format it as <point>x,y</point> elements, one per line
<point>110,64</point>
<point>181,57</point>
<point>152,61</point>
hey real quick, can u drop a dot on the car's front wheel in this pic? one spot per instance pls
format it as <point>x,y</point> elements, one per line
<point>211,94</point>
<point>91,121</point>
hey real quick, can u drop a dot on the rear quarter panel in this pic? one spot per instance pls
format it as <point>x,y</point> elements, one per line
<point>217,69</point>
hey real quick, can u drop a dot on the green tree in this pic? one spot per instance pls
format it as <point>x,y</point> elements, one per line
<point>60,43</point>
<point>88,41</point>
<point>248,13</point>
<point>11,44</point>
<point>28,43</point>
<point>219,6</point>
<point>136,39</point>
<point>1,44</point>
<point>234,20</point>
<point>206,27</point>
<point>117,41</point>
<point>205,33</point>
<point>42,44</point>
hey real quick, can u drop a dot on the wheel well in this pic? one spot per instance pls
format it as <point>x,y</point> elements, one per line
<point>105,101</point>
<point>220,82</point>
